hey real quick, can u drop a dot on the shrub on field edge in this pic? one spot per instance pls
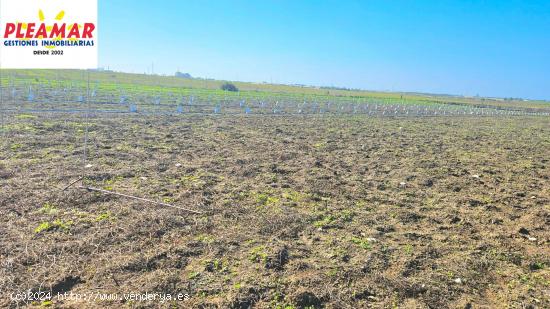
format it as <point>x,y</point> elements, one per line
<point>229,87</point>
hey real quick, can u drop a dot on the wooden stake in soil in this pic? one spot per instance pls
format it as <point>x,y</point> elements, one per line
<point>72,183</point>
<point>138,198</point>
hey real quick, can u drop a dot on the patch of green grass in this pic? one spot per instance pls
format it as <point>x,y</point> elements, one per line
<point>20,127</point>
<point>361,242</point>
<point>328,220</point>
<point>104,216</point>
<point>204,238</point>
<point>48,209</point>
<point>320,145</point>
<point>124,148</point>
<point>168,200</point>
<point>189,179</point>
<point>57,224</point>
<point>109,183</point>
<point>258,255</point>
<point>46,303</point>
<point>25,116</point>
<point>333,272</point>
<point>524,164</point>
<point>430,202</point>
<point>325,221</point>
<point>347,215</point>
<point>193,275</point>
<point>16,146</point>
<point>44,226</point>
<point>215,265</point>
<point>362,204</point>
<point>294,196</point>
<point>265,199</point>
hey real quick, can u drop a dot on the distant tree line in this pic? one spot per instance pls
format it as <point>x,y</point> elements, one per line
<point>339,88</point>
<point>183,75</point>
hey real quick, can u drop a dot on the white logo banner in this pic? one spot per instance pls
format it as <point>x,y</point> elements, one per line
<point>48,34</point>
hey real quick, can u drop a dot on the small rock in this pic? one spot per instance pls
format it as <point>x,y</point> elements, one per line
<point>428,183</point>
<point>455,220</point>
<point>88,166</point>
<point>531,238</point>
<point>524,231</point>
<point>178,164</point>
<point>475,176</point>
<point>458,281</point>
<point>143,178</point>
<point>402,184</point>
<point>372,239</point>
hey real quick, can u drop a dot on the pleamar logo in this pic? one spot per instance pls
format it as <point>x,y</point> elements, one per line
<point>56,31</point>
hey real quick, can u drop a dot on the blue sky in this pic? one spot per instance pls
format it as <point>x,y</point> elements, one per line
<point>491,48</point>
